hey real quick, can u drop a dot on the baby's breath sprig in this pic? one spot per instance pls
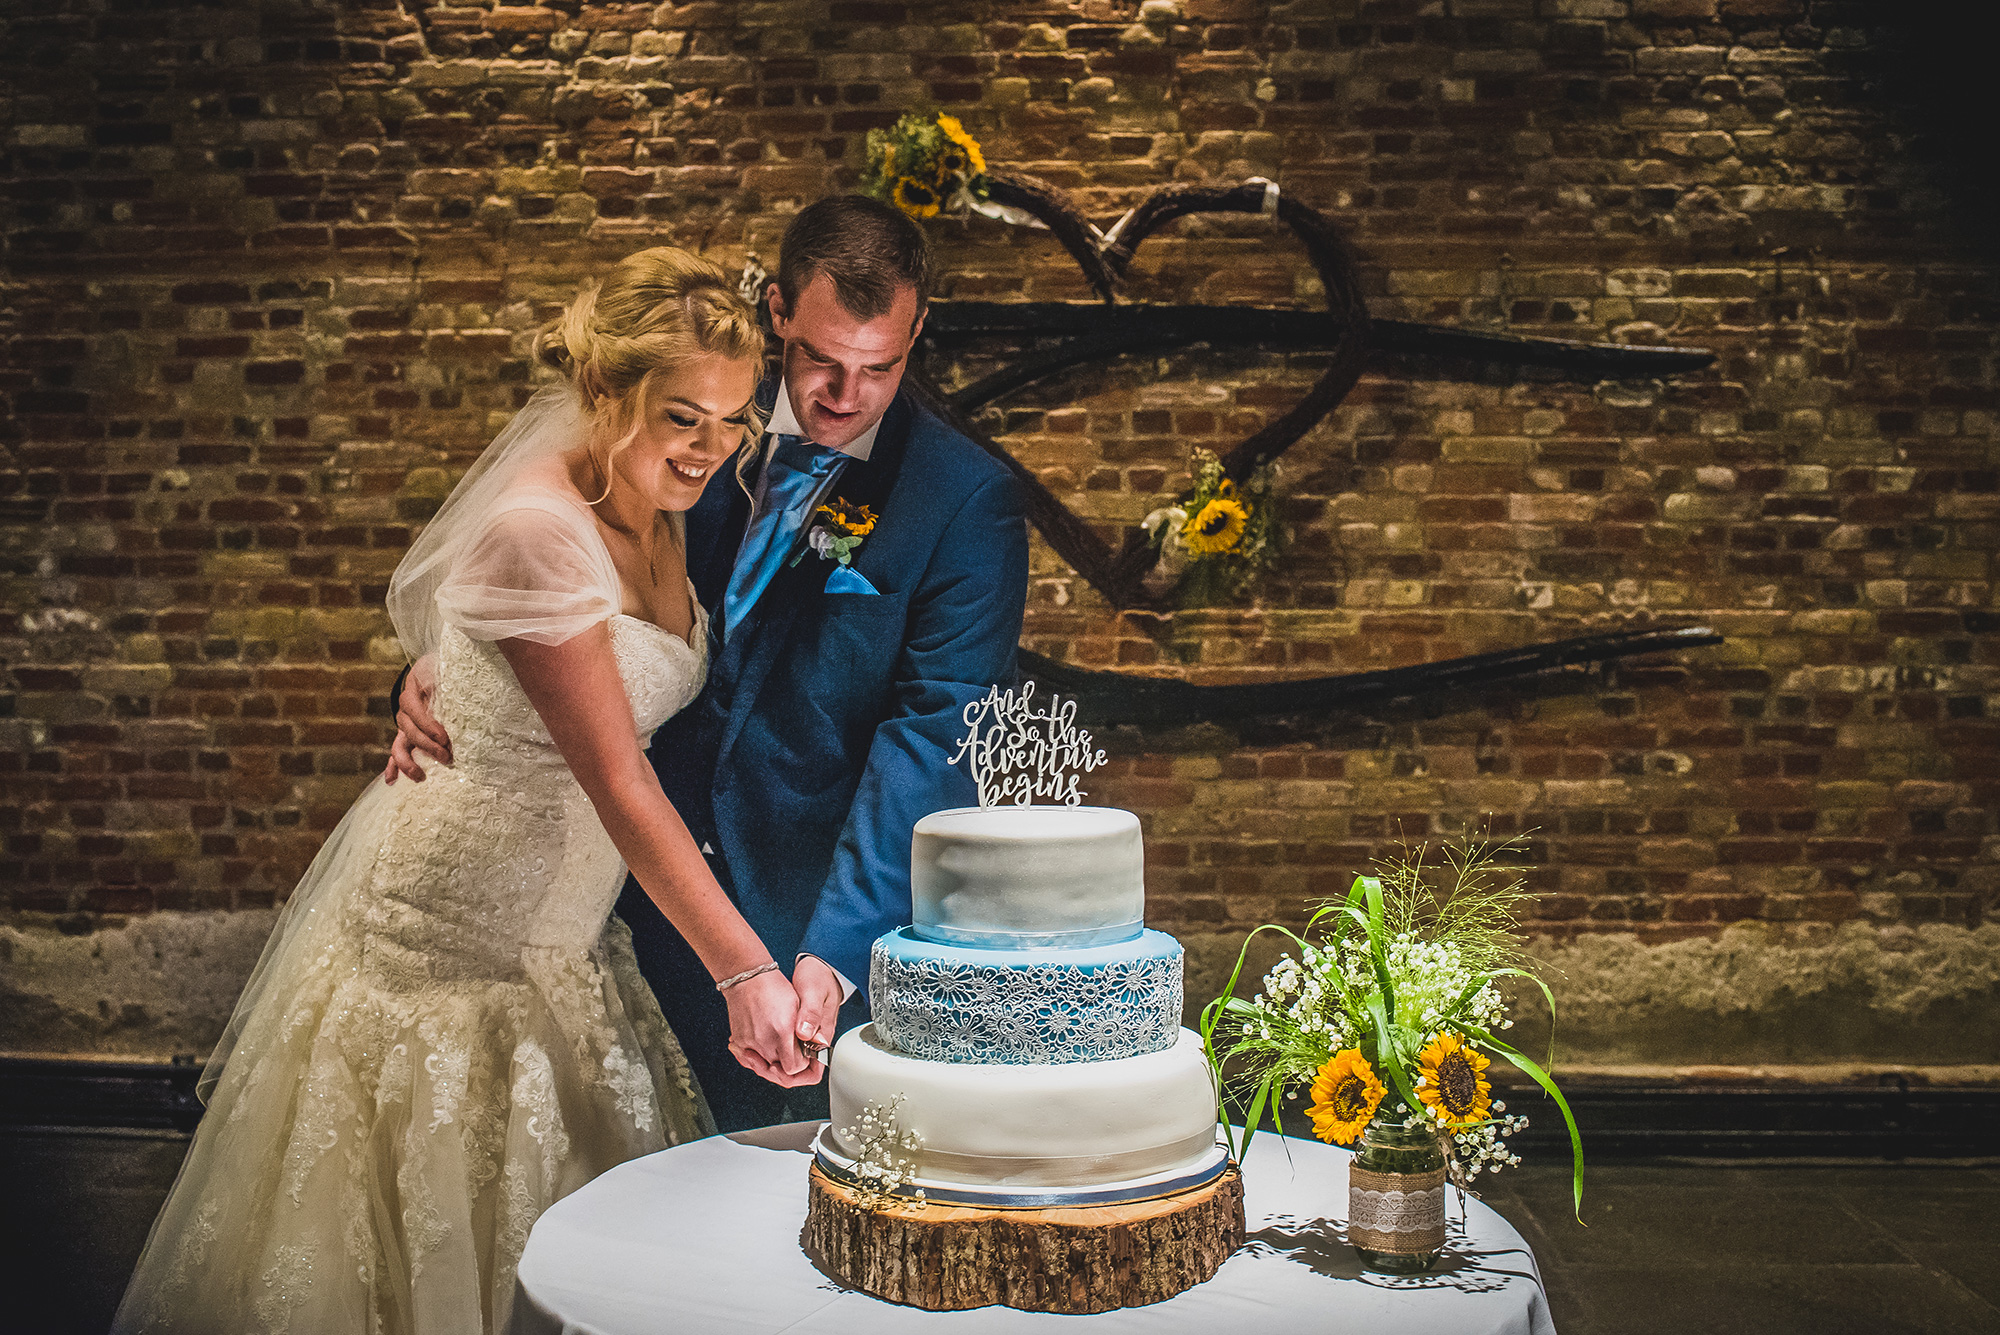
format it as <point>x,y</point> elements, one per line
<point>1482,1148</point>
<point>881,1171</point>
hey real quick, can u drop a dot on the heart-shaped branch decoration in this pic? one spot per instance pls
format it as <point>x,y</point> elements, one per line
<point>1104,258</point>
<point>1347,331</point>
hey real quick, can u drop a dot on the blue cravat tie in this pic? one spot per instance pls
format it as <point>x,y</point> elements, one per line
<point>794,477</point>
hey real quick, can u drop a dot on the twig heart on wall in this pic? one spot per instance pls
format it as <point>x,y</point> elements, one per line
<point>1104,259</point>
<point>1098,333</point>
<point>1345,328</point>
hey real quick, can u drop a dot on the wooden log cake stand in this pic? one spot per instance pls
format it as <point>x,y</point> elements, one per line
<point>946,1258</point>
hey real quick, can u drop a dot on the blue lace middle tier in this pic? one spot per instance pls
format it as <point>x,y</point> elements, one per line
<point>992,1007</point>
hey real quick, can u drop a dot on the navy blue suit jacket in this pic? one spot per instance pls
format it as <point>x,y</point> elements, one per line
<point>829,720</point>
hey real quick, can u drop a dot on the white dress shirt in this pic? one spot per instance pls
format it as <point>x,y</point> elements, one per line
<point>785,422</point>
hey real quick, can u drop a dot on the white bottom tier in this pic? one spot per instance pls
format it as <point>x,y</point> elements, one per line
<point>1067,1126</point>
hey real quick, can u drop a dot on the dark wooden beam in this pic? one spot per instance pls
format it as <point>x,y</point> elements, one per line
<point>1098,333</point>
<point>1106,698</point>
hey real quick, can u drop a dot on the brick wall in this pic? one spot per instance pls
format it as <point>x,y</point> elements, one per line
<point>272,269</point>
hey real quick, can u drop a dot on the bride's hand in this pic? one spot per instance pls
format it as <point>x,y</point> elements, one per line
<point>819,992</point>
<point>763,1020</point>
<point>417,729</point>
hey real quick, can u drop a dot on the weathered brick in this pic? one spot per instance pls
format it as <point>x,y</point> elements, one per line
<point>224,378</point>
<point>521,19</point>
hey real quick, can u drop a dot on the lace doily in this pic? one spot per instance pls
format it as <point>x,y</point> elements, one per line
<point>1036,1013</point>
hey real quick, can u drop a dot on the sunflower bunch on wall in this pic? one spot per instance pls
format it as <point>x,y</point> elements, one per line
<point>1390,1008</point>
<point>924,165</point>
<point>1219,537</point>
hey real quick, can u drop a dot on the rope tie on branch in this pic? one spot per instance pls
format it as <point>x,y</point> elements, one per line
<point>1107,239</point>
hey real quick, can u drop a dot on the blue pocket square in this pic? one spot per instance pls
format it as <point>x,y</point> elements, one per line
<point>846,579</point>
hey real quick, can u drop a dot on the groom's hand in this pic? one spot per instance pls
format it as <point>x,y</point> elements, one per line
<point>417,729</point>
<point>820,995</point>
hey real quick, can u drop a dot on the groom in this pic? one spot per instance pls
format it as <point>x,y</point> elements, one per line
<point>835,690</point>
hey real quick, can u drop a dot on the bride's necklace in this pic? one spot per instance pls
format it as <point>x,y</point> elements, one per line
<point>663,536</point>
<point>648,550</point>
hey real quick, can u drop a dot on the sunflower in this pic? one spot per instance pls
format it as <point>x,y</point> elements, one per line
<point>1217,527</point>
<point>1345,1093</point>
<point>1453,1081</point>
<point>914,197</point>
<point>855,521</point>
<point>974,159</point>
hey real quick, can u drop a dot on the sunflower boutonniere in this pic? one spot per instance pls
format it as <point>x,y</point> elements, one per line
<point>836,531</point>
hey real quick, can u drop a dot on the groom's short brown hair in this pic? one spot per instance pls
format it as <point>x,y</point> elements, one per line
<point>868,248</point>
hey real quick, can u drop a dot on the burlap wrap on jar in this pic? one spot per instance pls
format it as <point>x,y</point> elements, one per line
<point>1400,1213</point>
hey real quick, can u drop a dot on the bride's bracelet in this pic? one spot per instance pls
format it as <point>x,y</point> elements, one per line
<point>745,976</point>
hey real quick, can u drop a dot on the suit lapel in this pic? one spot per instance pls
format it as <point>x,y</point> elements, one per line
<point>753,650</point>
<point>798,590</point>
<point>867,481</point>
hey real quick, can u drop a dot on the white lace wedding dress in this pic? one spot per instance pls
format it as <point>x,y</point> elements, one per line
<point>445,1035</point>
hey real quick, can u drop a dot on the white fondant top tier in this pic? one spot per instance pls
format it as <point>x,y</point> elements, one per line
<point>1021,877</point>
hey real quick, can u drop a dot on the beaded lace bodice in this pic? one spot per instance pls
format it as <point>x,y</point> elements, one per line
<point>496,731</point>
<point>507,851</point>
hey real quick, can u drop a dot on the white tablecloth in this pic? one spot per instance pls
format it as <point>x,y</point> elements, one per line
<point>705,1237</point>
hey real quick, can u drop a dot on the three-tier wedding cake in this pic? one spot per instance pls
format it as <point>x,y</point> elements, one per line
<point>1027,1024</point>
<point>1024,1121</point>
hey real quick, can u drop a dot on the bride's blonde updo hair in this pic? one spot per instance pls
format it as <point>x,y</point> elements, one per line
<point>654,312</point>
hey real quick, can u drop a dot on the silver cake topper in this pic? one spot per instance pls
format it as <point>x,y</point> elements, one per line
<point>1018,754</point>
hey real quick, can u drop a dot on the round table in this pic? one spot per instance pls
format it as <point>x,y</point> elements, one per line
<point>705,1237</point>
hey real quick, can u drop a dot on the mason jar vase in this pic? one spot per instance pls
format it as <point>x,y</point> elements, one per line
<point>1395,1197</point>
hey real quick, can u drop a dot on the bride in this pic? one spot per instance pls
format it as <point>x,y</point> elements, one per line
<point>445,1034</point>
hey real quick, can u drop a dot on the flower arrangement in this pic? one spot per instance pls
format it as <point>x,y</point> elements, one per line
<point>837,530</point>
<point>925,164</point>
<point>1389,1009</point>
<point>1217,538</point>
